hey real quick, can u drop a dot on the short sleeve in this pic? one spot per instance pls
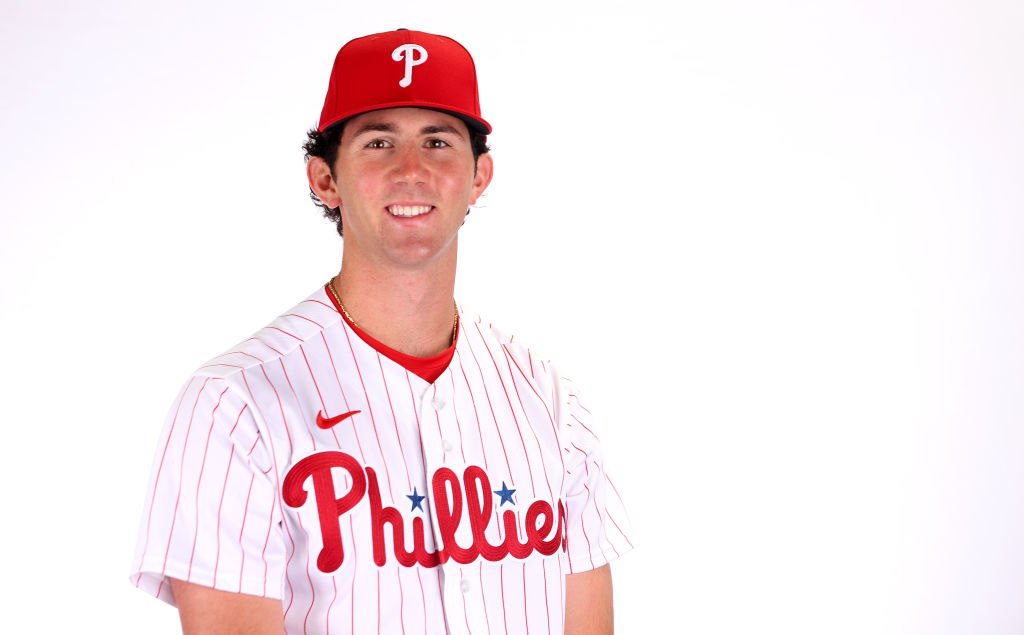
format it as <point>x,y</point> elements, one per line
<point>212,516</point>
<point>597,526</point>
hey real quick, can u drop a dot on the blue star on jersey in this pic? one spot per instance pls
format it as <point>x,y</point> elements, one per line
<point>417,500</point>
<point>505,493</point>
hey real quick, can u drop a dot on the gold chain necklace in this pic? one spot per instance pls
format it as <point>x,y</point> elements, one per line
<point>341,305</point>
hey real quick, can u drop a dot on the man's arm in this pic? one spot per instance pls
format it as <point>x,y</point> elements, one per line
<point>588,602</point>
<point>209,611</point>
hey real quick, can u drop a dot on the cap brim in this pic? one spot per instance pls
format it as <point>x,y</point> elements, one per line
<point>473,123</point>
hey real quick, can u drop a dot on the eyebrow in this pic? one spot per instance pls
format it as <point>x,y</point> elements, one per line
<point>441,128</point>
<point>426,130</point>
<point>373,127</point>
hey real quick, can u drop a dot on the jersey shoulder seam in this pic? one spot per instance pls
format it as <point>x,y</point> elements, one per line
<point>275,341</point>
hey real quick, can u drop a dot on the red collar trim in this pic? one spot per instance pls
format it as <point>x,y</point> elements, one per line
<point>427,368</point>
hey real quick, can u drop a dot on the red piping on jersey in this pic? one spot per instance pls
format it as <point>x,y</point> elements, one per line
<point>426,368</point>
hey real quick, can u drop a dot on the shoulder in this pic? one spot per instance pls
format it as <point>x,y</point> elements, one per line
<point>482,337</point>
<point>278,339</point>
<point>489,344</point>
<point>478,330</point>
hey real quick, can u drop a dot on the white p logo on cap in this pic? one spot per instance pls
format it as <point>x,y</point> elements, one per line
<point>408,51</point>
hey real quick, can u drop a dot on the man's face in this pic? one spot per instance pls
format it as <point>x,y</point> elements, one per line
<point>404,178</point>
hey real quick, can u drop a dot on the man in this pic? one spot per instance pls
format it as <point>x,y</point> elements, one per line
<point>374,460</point>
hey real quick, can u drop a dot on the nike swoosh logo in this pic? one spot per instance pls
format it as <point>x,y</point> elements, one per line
<point>329,422</point>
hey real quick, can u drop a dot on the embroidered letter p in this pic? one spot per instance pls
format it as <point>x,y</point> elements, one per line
<point>408,51</point>
<point>329,507</point>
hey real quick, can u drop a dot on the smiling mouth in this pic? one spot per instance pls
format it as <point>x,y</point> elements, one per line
<point>408,211</point>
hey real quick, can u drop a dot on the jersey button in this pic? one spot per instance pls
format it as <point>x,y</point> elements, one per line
<point>464,585</point>
<point>446,445</point>
<point>437,403</point>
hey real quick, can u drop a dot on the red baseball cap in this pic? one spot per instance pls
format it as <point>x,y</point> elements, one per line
<point>403,69</point>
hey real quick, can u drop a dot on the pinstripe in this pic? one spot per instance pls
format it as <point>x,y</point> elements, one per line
<point>320,396</point>
<point>289,586</point>
<point>494,416</point>
<point>312,439</point>
<point>583,522</point>
<point>280,406</point>
<point>312,588</point>
<point>219,364</point>
<point>526,605</point>
<point>401,601</point>
<point>181,469</point>
<point>458,424</point>
<point>561,592</point>
<point>551,419</point>
<point>512,411</point>
<point>440,593</point>
<point>330,607</point>
<point>298,403</point>
<point>362,458</point>
<point>465,609</point>
<point>423,597</point>
<point>241,532</point>
<point>369,408</point>
<point>344,399</point>
<point>437,420</point>
<point>547,607</point>
<point>600,517</point>
<point>334,434</point>
<point>281,330</point>
<point>276,503</point>
<point>483,600</point>
<point>352,595</point>
<point>246,354</point>
<point>223,492</point>
<point>577,420</point>
<point>579,405</point>
<point>504,611</point>
<point>608,480</point>
<point>303,317</point>
<point>536,439</point>
<point>476,414</point>
<point>199,484</point>
<point>416,415</point>
<point>423,458</point>
<point>159,472</point>
<point>394,419</point>
<point>258,340</point>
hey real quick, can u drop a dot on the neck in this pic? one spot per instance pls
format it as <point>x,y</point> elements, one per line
<point>411,311</point>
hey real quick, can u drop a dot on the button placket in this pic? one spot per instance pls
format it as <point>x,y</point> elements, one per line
<point>439,403</point>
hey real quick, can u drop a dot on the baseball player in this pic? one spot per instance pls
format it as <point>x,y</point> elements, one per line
<point>376,460</point>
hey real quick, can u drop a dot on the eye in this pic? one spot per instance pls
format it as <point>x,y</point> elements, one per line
<point>437,143</point>
<point>378,144</point>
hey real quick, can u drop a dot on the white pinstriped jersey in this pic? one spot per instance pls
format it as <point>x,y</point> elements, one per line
<point>306,466</point>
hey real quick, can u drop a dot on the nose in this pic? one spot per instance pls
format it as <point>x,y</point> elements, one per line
<point>409,165</point>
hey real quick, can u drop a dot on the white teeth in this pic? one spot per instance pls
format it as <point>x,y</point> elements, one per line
<point>409,210</point>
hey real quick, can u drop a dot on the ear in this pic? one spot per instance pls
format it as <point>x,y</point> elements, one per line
<point>321,181</point>
<point>482,178</point>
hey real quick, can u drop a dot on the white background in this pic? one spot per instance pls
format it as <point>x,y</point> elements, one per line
<point>779,244</point>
